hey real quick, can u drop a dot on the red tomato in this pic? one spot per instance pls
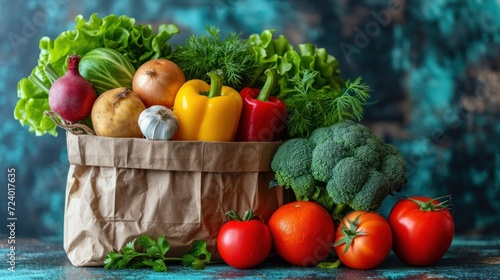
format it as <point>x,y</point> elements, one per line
<point>244,243</point>
<point>422,229</point>
<point>363,240</point>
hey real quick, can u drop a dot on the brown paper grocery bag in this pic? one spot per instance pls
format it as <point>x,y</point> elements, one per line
<point>120,188</point>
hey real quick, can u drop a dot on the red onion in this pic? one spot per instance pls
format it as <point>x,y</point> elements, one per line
<point>72,96</point>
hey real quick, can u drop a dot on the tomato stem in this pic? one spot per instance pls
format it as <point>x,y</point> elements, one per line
<point>249,215</point>
<point>349,232</point>
<point>430,206</point>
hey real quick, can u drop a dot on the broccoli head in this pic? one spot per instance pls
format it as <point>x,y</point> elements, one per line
<point>354,165</point>
<point>294,173</point>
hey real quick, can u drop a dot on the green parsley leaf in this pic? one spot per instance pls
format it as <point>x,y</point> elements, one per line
<point>162,244</point>
<point>157,265</point>
<point>146,241</point>
<point>154,255</point>
<point>197,256</point>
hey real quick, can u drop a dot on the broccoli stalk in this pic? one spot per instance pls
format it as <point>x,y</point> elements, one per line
<point>343,167</point>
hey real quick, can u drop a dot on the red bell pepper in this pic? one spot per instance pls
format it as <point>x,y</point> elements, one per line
<point>263,116</point>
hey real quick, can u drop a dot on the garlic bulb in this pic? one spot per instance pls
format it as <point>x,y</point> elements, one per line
<point>158,123</point>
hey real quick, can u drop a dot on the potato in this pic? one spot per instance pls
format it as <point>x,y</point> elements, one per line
<point>115,113</point>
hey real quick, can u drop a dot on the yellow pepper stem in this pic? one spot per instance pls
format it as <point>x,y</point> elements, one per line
<point>215,84</point>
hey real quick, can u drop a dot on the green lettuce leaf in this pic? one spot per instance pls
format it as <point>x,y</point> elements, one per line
<point>280,53</point>
<point>309,84</point>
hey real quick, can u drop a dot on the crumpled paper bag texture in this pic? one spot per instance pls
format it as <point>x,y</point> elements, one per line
<point>120,188</point>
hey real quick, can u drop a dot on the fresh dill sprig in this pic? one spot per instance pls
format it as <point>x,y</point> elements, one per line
<point>310,108</point>
<point>232,55</point>
<point>350,102</point>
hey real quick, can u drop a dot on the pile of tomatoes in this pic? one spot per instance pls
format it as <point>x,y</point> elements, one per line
<point>418,229</point>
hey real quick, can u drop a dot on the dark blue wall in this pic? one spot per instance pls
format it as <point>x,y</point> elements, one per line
<point>433,65</point>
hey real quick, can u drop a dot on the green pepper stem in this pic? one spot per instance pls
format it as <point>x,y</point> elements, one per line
<point>267,89</point>
<point>215,84</point>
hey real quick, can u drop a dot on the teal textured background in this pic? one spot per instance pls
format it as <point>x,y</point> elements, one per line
<point>433,65</point>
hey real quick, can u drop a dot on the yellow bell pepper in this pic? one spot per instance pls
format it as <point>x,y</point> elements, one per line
<point>207,112</point>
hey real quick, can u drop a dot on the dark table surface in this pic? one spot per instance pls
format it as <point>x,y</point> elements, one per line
<point>468,258</point>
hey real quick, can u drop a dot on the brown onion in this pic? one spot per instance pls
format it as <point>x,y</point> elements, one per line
<point>157,81</point>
